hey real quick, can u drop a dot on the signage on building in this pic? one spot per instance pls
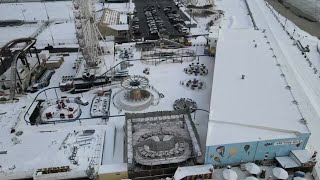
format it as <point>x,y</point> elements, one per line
<point>292,142</point>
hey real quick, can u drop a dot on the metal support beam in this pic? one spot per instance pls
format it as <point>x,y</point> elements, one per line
<point>19,76</point>
<point>37,54</point>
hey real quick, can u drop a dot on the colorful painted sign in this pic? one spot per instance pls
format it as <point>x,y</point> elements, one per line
<point>251,151</point>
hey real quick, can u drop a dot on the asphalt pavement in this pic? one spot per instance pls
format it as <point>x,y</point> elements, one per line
<point>159,6</point>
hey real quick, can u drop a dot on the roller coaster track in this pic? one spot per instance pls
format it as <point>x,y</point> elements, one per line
<point>29,43</point>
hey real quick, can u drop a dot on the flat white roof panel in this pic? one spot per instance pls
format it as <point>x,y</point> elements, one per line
<point>287,161</point>
<point>223,133</point>
<point>120,27</point>
<point>123,19</point>
<point>113,168</point>
<point>261,99</point>
<point>302,155</point>
<point>186,171</point>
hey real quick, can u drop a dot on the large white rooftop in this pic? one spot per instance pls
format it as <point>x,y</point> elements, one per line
<point>260,102</point>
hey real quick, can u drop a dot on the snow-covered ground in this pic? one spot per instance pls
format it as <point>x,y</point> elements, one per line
<point>61,29</point>
<point>236,14</point>
<point>39,149</point>
<point>10,33</point>
<point>36,11</point>
<point>58,33</point>
<point>164,77</point>
<point>38,146</point>
<point>311,7</point>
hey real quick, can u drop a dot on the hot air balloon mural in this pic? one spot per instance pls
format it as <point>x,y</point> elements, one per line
<point>247,149</point>
<point>217,159</point>
<point>220,150</point>
<point>232,152</point>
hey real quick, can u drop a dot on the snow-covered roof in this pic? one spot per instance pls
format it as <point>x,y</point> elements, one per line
<point>256,107</point>
<point>302,155</point>
<point>123,18</point>
<point>113,168</point>
<point>287,162</point>
<point>119,27</point>
<point>199,39</point>
<point>182,172</point>
<point>214,32</point>
<point>113,17</point>
<point>296,158</point>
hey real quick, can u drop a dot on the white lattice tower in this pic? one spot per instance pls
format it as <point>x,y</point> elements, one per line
<point>87,31</point>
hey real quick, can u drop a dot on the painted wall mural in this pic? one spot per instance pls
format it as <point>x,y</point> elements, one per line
<point>247,149</point>
<point>251,151</point>
<point>217,159</point>
<point>232,152</point>
<point>220,150</point>
<point>219,155</point>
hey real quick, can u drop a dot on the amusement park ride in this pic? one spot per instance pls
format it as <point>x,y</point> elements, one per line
<point>89,39</point>
<point>91,67</point>
<point>9,56</point>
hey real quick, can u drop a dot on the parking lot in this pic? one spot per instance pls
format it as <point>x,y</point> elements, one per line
<point>151,18</point>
